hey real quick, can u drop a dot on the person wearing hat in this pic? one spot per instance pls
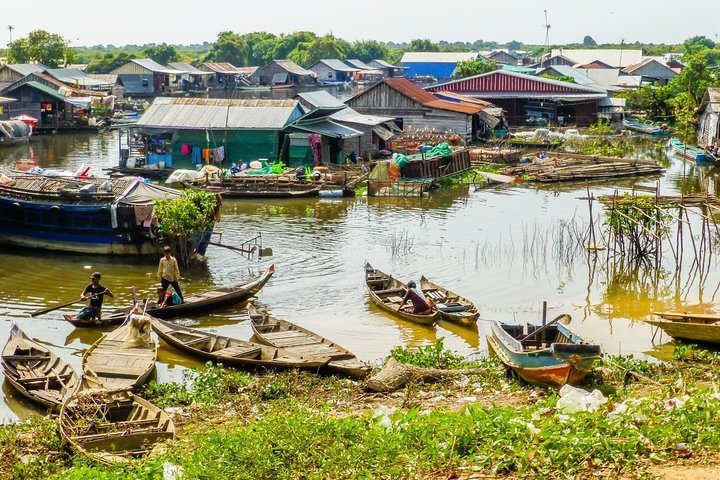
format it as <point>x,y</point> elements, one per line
<point>96,293</point>
<point>168,272</point>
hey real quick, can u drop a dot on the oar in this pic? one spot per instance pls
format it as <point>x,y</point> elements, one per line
<point>48,310</point>
<point>547,325</point>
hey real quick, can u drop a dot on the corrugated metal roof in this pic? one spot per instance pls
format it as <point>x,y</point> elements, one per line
<point>354,62</point>
<point>511,84</point>
<point>327,128</point>
<point>579,77</point>
<point>383,64</point>
<point>336,65</point>
<point>321,99</point>
<point>438,57</point>
<point>613,57</point>
<point>44,88</point>
<point>647,60</point>
<point>229,68</point>
<point>294,68</point>
<point>73,76</point>
<point>25,69</point>
<point>107,78</point>
<point>348,115</point>
<point>4,100</point>
<point>427,99</point>
<point>153,66</point>
<point>219,114</point>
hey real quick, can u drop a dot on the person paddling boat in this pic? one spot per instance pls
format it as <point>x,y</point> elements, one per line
<point>96,293</point>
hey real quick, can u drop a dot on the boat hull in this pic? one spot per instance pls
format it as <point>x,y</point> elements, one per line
<point>543,367</point>
<point>394,284</point>
<point>701,332</point>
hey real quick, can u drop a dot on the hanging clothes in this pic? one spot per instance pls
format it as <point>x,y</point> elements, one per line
<point>219,154</point>
<point>185,149</point>
<point>206,154</point>
<point>196,156</point>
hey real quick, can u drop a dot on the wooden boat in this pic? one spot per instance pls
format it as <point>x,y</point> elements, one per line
<point>230,352</point>
<point>198,302</point>
<point>112,426</point>
<point>305,344</point>
<point>14,132</point>
<point>35,371</point>
<point>647,128</point>
<point>690,152</point>
<point>118,360</point>
<point>387,292</point>
<point>452,307</point>
<point>260,186</point>
<point>551,358</point>
<point>694,327</point>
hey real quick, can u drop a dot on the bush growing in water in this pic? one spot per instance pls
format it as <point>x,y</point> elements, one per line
<point>181,220</point>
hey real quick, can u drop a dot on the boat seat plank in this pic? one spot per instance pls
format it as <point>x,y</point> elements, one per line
<point>44,378</point>
<point>388,291</point>
<point>10,358</point>
<point>238,351</point>
<point>393,299</point>
<point>197,341</point>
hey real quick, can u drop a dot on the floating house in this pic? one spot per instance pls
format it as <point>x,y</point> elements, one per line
<point>193,79</point>
<point>186,132</point>
<point>224,74</point>
<point>4,111</point>
<point>652,71</point>
<point>529,100</point>
<point>576,75</point>
<point>501,57</point>
<point>612,79</point>
<point>375,130</point>
<point>411,106</point>
<point>614,58</point>
<point>146,77</point>
<point>388,70</point>
<point>76,78</point>
<point>436,65</point>
<point>283,73</point>
<point>333,71</point>
<point>709,126</point>
<point>12,72</point>
<point>365,73</point>
<point>54,104</point>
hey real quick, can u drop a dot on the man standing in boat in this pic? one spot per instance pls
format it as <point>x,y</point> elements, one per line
<point>169,272</point>
<point>96,293</point>
<point>422,305</point>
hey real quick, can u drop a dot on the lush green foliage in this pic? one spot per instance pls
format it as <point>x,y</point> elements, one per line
<point>430,356</point>
<point>468,68</point>
<point>607,147</point>
<point>162,54</point>
<point>25,449</point>
<point>41,46</point>
<point>229,47</point>
<point>601,128</point>
<point>110,61</point>
<point>562,78</point>
<point>193,212</point>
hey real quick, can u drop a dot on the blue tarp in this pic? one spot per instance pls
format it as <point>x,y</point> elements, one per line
<point>439,70</point>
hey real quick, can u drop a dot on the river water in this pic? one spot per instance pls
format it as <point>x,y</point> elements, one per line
<point>504,247</point>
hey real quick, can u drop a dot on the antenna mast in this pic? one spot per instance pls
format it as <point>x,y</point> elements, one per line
<point>10,29</point>
<point>547,38</point>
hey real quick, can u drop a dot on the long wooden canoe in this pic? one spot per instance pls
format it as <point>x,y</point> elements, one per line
<point>452,307</point>
<point>387,292</point>
<point>305,344</point>
<point>36,372</point>
<point>231,352</point>
<point>118,361</point>
<point>551,358</point>
<point>198,302</point>
<point>112,426</point>
<point>702,328</point>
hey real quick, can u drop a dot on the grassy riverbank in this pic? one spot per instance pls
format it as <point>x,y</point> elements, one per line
<point>298,425</point>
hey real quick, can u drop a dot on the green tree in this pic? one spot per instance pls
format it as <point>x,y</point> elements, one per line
<point>287,44</point>
<point>260,47</point>
<point>562,78</point>
<point>163,53</point>
<point>109,62</point>
<point>323,47</point>
<point>41,46</point>
<point>368,50</point>
<point>423,45</point>
<point>588,41</point>
<point>513,45</point>
<point>649,101</point>
<point>696,44</point>
<point>229,47</point>
<point>469,68</point>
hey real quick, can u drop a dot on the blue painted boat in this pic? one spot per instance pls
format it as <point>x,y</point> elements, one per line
<point>83,215</point>
<point>647,128</point>
<point>690,152</point>
<point>553,357</point>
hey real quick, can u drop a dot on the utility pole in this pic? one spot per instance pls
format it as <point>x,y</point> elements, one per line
<point>547,39</point>
<point>10,29</point>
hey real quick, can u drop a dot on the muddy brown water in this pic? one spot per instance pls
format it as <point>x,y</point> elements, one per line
<point>497,246</point>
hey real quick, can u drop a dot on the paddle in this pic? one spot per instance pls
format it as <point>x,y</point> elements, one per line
<point>48,310</point>
<point>563,316</point>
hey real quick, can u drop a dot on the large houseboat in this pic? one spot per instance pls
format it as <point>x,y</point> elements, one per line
<point>95,216</point>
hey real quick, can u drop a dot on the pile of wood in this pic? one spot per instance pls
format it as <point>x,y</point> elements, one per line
<point>481,156</point>
<point>571,167</point>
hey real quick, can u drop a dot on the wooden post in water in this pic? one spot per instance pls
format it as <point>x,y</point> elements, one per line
<point>544,315</point>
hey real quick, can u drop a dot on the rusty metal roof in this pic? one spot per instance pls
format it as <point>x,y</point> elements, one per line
<point>225,67</point>
<point>294,68</point>
<point>219,114</point>
<point>427,99</point>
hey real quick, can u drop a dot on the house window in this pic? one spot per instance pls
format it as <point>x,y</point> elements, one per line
<point>144,82</point>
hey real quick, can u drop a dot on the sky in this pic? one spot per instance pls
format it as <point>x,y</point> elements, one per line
<point>195,21</point>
